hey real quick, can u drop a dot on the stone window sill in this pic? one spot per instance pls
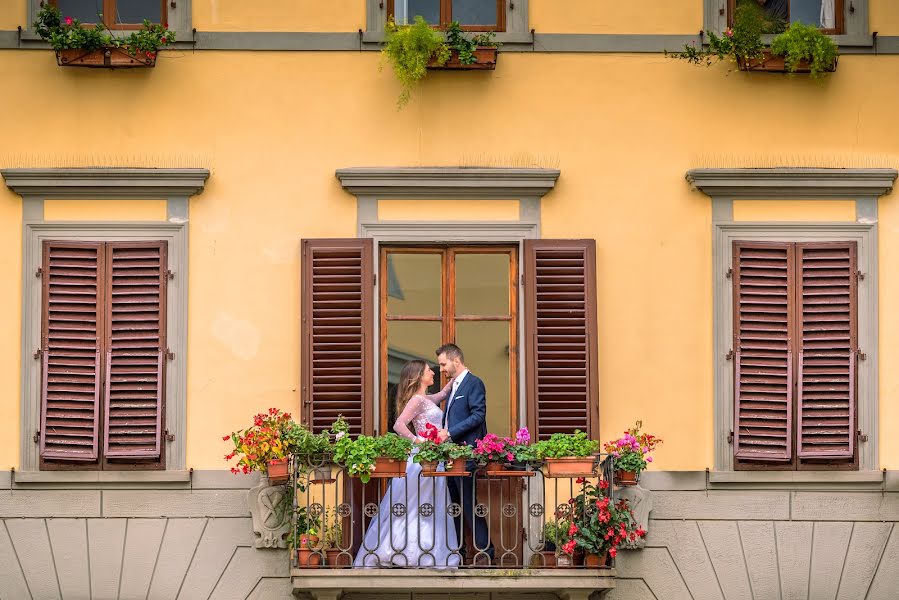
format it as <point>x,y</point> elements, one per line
<point>792,478</point>
<point>100,477</point>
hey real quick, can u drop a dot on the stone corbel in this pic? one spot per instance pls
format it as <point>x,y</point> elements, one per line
<point>640,500</point>
<point>270,508</point>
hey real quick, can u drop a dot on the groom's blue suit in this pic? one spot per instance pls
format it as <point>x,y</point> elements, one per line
<point>465,419</point>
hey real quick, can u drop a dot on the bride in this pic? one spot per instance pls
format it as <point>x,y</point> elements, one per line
<point>416,538</point>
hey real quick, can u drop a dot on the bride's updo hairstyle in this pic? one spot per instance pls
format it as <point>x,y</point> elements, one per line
<point>410,380</point>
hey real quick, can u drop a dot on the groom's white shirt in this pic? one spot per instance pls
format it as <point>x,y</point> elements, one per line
<point>456,383</point>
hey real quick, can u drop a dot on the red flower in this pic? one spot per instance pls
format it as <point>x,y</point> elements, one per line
<point>572,530</point>
<point>603,485</point>
<point>613,552</point>
<point>568,547</point>
<point>580,480</point>
<point>164,41</point>
<point>225,438</point>
<point>69,21</point>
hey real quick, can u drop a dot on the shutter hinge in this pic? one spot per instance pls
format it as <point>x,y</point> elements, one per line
<point>169,437</point>
<point>859,275</point>
<point>729,274</point>
<point>39,273</point>
<point>522,280</point>
<point>862,355</point>
<point>169,354</point>
<point>37,436</point>
<point>862,437</point>
<point>729,355</point>
<point>730,437</point>
<point>173,4</point>
<point>170,274</point>
<point>38,353</point>
<point>374,278</point>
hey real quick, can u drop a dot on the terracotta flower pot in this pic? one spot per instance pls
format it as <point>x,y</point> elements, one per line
<point>456,466</point>
<point>334,558</point>
<point>308,559</point>
<point>776,64</point>
<point>278,471</point>
<point>484,59</point>
<point>107,56</point>
<point>388,467</point>
<point>548,561</point>
<point>564,561</point>
<point>495,465</point>
<point>571,466</point>
<point>624,478</point>
<point>309,541</point>
<point>594,561</point>
<point>429,466</point>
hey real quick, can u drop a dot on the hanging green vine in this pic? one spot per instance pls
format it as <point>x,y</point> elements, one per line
<point>409,49</point>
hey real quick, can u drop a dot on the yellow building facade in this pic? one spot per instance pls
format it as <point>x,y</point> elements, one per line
<point>232,147</point>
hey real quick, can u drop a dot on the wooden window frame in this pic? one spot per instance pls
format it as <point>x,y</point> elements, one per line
<point>446,16</point>
<point>448,318</point>
<point>839,14</point>
<point>795,463</point>
<point>103,463</point>
<point>109,8</point>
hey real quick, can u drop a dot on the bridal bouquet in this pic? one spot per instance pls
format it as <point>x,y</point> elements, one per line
<point>432,451</point>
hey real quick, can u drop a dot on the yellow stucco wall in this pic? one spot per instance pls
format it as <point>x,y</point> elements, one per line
<point>609,16</point>
<point>456,210</point>
<point>274,126</point>
<point>796,210</point>
<point>105,210</point>
<point>279,15</point>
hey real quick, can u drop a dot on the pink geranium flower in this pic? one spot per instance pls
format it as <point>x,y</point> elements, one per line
<point>69,21</point>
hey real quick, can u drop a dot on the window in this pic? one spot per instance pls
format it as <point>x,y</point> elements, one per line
<point>825,14</point>
<point>465,295</point>
<point>103,354</point>
<point>473,15</point>
<point>116,14</point>
<point>795,355</point>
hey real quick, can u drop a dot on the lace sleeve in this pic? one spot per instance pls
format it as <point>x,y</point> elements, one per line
<point>413,407</point>
<point>441,395</point>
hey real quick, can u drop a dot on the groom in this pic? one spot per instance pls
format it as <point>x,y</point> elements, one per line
<point>464,422</point>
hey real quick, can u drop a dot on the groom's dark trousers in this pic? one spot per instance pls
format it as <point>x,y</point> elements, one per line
<point>466,421</point>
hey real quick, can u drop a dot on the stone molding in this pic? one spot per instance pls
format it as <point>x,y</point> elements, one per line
<point>792,183</point>
<point>269,506</point>
<point>105,182</point>
<point>447,182</point>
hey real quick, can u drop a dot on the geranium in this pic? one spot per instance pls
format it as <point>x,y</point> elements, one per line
<point>68,33</point>
<point>631,452</point>
<point>431,449</point>
<point>605,528</point>
<point>492,448</point>
<point>260,443</point>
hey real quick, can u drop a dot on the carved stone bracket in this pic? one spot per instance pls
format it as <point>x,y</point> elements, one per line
<point>270,509</point>
<point>640,500</point>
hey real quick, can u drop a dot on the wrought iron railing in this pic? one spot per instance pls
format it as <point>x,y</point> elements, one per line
<point>412,521</point>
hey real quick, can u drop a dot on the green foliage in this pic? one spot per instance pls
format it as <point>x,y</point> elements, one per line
<point>64,33</point>
<point>332,533</point>
<point>429,451</point>
<point>358,456</point>
<point>561,445</point>
<point>804,42</point>
<point>555,533</point>
<point>464,46</point>
<point>795,42</point>
<point>308,447</point>
<point>599,525</point>
<point>409,49</point>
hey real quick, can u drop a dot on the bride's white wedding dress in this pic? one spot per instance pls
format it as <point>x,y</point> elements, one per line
<point>422,535</point>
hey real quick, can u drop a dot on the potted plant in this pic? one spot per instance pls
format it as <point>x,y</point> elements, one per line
<point>305,541</point>
<point>332,538</point>
<point>311,451</point>
<point>796,48</point>
<point>367,456</point>
<point>523,453</point>
<point>494,452</point>
<point>631,454</point>
<point>554,536</point>
<point>77,45</point>
<point>262,446</point>
<point>567,454</point>
<point>431,453</point>
<point>598,533</point>
<point>475,53</point>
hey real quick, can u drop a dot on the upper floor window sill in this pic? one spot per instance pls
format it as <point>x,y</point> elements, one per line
<point>100,477</point>
<point>827,478</point>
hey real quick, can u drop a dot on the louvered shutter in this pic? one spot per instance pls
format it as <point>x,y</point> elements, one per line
<point>828,349</point>
<point>337,326</point>
<point>72,274</point>
<point>136,275</point>
<point>560,336</point>
<point>763,360</point>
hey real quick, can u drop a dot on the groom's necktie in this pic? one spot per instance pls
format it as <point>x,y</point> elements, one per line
<point>450,401</point>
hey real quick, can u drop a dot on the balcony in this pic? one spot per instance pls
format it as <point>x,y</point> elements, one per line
<point>399,534</point>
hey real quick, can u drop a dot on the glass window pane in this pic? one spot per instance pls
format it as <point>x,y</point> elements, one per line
<point>413,284</point>
<point>486,348</point>
<point>408,340</point>
<point>810,13</point>
<point>85,11</point>
<point>135,11</point>
<point>475,12</point>
<point>405,11</point>
<point>482,284</point>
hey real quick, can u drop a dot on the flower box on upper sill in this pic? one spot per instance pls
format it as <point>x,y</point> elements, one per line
<point>108,57</point>
<point>776,64</point>
<point>484,60</point>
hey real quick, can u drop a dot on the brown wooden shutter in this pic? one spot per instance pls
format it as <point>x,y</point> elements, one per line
<point>337,326</point>
<point>136,277</point>
<point>72,274</point>
<point>828,349</point>
<point>763,360</point>
<point>560,336</point>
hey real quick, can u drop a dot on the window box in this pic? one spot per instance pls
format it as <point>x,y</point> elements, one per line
<point>107,57</point>
<point>485,60</point>
<point>775,64</point>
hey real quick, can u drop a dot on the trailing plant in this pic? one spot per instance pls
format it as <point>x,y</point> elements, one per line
<point>64,33</point>
<point>603,529</point>
<point>566,445</point>
<point>410,48</point>
<point>804,42</point>
<point>464,46</point>
<point>631,452</point>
